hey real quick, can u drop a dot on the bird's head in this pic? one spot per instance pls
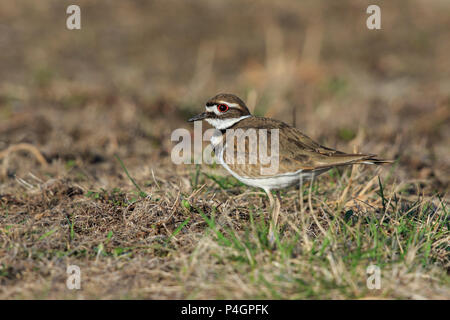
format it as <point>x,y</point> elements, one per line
<point>223,111</point>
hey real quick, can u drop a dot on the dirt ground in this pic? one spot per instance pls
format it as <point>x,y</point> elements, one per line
<point>74,104</point>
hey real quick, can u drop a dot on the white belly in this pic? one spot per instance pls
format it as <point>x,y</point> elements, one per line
<point>275,182</point>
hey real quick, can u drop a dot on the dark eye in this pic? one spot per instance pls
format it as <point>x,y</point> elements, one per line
<point>222,107</point>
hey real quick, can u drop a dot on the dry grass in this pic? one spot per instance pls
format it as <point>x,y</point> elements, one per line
<point>72,100</point>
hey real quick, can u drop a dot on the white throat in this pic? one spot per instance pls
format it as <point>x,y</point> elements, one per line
<point>222,124</point>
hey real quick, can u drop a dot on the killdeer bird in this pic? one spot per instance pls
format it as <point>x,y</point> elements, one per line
<point>298,158</point>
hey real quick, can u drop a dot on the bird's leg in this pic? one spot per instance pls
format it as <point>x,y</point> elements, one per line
<point>274,211</point>
<point>271,201</point>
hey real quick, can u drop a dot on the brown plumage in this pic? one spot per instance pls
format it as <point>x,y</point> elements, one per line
<point>296,150</point>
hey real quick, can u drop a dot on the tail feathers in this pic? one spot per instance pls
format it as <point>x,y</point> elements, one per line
<point>350,159</point>
<point>373,160</point>
<point>359,159</point>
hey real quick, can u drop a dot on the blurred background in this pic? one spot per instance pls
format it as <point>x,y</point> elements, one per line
<point>138,69</point>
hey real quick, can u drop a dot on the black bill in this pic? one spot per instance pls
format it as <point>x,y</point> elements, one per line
<point>200,116</point>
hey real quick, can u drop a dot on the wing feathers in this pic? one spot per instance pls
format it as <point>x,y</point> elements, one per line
<point>296,151</point>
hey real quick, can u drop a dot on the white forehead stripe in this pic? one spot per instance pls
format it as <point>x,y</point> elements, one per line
<point>231,105</point>
<point>211,108</point>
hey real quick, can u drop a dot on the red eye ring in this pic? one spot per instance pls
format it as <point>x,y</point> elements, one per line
<point>222,107</point>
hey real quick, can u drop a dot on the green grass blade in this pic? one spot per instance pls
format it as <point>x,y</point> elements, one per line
<point>178,229</point>
<point>142,194</point>
<point>49,233</point>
